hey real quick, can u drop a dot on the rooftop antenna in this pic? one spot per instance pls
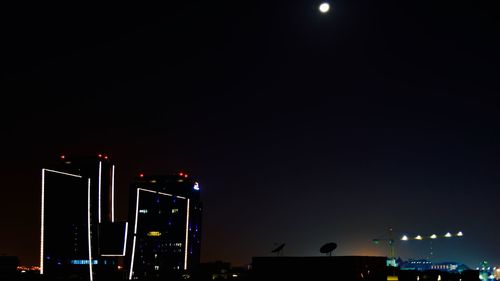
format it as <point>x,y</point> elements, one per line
<point>279,250</point>
<point>328,248</point>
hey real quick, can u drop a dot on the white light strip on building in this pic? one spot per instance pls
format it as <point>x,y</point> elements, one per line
<point>162,193</point>
<point>136,211</point>
<point>99,187</point>
<point>42,222</point>
<point>88,226</point>
<point>63,173</point>
<point>125,240</point>
<point>135,235</point>
<point>165,194</point>
<point>147,190</point>
<point>113,194</point>
<point>132,262</point>
<point>187,238</point>
<point>124,244</point>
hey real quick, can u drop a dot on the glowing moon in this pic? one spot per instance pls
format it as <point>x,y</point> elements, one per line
<point>324,7</point>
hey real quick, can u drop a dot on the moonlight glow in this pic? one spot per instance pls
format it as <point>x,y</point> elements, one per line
<point>324,7</point>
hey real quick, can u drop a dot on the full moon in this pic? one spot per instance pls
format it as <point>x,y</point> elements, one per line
<point>324,7</point>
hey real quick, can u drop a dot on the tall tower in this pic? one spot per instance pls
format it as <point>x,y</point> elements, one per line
<point>165,226</point>
<point>76,217</point>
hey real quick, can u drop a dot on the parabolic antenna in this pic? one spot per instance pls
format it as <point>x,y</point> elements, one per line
<point>328,248</point>
<point>279,249</point>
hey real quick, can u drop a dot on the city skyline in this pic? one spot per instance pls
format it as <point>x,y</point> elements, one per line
<point>301,127</point>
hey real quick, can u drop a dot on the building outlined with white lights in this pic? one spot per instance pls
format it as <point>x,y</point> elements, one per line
<point>165,227</point>
<point>77,217</point>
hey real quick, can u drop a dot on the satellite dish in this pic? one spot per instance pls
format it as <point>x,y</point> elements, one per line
<point>328,248</point>
<point>279,250</point>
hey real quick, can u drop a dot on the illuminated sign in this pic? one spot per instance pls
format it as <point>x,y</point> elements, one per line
<point>154,233</point>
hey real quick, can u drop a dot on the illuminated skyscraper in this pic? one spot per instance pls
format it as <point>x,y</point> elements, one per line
<point>165,226</point>
<point>77,216</point>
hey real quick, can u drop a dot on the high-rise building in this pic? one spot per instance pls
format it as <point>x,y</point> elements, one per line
<point>77,216</point>
<point>165,226</point>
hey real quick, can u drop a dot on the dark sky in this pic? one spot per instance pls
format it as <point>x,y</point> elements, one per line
<point>300,127</point>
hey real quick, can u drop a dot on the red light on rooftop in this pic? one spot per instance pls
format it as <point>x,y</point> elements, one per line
<point>99,155</point>
<point>181,174</point>
<point>106,157</point>
<point>185,175</point>
<point>141,175</point>
<point>63,157</point>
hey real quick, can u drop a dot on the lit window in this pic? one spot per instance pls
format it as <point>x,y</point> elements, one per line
<point>79,262</point>
<point>143,211</point>
<point>157,267</point>
<point>154,233</point>
<point>175,211</point>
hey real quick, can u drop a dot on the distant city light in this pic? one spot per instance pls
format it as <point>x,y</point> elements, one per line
<point>404,238</point>
<point>196,186</point>
<point>63,157</point>
<point>324,7</point>
<point>99,155</point>
<point>418,237</point>
<point>433,236</point>
<point>447,234</point>
<point>460,233</point>
<point>141,175</point>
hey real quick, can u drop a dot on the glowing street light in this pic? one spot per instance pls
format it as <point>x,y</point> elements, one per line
<point>324,7</point>
<point>460,233</point>
<point>433,236</point>
<point>404,238</point>
<point>447,235</point>
<point>418,237</point>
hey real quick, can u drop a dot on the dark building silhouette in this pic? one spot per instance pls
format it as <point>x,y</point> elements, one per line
<point>319,268</point>
<point>77,215</point>
<point>165,227</point>
<point>219,270</point>
<point>345,268</point>
<point>8,267</point>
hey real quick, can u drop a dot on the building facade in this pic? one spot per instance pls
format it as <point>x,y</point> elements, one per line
<point>77,214</point>
<point>165,227</point>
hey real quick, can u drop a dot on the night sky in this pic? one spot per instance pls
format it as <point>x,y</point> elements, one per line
<point>301,127</point>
